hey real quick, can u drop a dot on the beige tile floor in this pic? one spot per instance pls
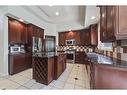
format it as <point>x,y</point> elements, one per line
<point>23,80</point>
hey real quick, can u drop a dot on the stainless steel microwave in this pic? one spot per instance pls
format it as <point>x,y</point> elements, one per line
<point>15,49</point>
<point>70,42</point>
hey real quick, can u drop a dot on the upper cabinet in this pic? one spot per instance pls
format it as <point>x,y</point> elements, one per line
<point>88,36</point>
<point>17,31</point>
<point>121,22</point>
<point>62,38</point>
<point>107,24</point>
<point>77,38</point>
<point>85,37</point>
<point>113,25</point>
<point>94,34</point>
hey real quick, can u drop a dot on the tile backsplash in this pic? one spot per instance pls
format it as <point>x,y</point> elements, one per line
<point>77,48</point>
<point>119,50</point>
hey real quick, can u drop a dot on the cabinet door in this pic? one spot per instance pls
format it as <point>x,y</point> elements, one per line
<point>85,37</point>
<point>23,32</point>
<point>12,30</point>
<point>16,63</point>
<point>71,35</point>
<point>110,23</point>
<point>94,34</point>
<point>17,31</point>
<point>103,23</point>
<point>62,38</point>
<point>121,17</point>
<point>50,69</point>
<point>28,60</point>
<point>77,38</point>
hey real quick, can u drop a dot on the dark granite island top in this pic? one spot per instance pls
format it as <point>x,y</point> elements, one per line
<point>106,72</point>
<point>105,60</point>
<point>47,54</point>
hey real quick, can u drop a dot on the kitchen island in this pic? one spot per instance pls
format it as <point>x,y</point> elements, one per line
<point>106,72</point>
<point>45,67</point>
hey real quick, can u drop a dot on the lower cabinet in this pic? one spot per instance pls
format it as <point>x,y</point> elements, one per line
<point>43,69</point>
<point>80,57</point>
<point>59,65</point>
<point>19,62</point>
<point>106,76</point>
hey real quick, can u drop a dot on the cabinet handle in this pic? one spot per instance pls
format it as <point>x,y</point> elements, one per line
<point>103,34</point>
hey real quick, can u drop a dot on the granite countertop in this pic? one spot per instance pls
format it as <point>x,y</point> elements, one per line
<point>101,59</point>
<point>47,54</point>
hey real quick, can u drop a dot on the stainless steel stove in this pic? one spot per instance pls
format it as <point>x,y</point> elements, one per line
<point>70,56</point>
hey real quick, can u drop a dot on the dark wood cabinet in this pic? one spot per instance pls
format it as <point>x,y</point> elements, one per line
<point>43,69</point>
<point>17,31</point>
<point>77,37</point>
<point>62,38</point>
<point>70,35</point>
<point>109,77</point>
<point>50,69</point>
<point>103,23</point>
<point>94,34</point>
<point>59,65</point>
<point>85,36</point>
<point>120,17</point>
<point>19,62</point>
<point>35,31</point>
<point>80,57</point>
<point>112,24</point>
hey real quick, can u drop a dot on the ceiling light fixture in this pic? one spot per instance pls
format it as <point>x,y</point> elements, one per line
<point>21,20</point>
<point>69,29</point>
<point>50,5</point>
<point>57,13</point>
<point>93,17</point>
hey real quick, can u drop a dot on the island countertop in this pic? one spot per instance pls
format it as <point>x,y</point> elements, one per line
<point>47,54</point>
<point>105,60</point>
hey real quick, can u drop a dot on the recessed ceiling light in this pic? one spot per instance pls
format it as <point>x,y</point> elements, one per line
<point>93,17</point>
<point>57,13</point>
<point>69,29</point>
<point>21,20</point>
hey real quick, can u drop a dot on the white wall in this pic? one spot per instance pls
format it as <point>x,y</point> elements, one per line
<point>3,42</point>
<point>20,12</point>
<point>92,11</point>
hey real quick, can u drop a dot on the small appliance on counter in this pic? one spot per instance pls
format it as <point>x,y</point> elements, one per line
<point>16,48</point>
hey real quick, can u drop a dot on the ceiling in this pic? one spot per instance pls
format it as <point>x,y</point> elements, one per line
<point>67,14</point>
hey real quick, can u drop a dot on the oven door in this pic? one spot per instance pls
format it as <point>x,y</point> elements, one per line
<point>70,57</point>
